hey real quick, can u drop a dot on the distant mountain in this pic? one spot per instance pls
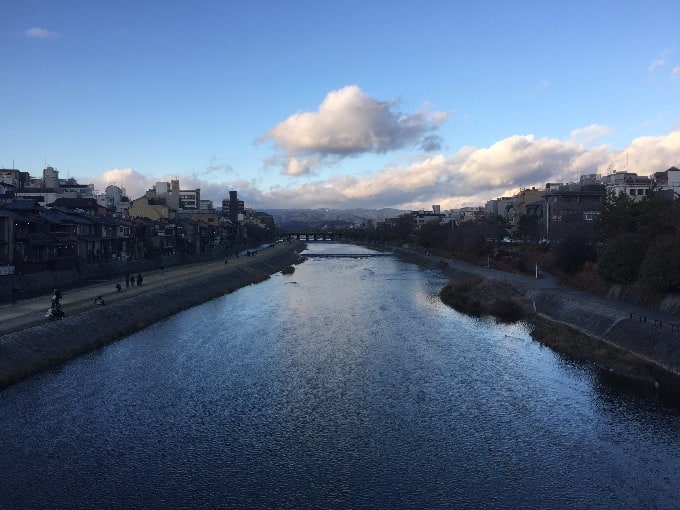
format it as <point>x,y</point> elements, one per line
<point>294,219</point>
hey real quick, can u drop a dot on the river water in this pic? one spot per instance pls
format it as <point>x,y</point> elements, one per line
<point>345,385</point>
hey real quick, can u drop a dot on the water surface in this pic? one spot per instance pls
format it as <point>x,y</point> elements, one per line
<point>345,385</point>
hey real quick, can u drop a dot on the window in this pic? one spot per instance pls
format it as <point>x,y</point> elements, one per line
<point>632,192</point>
<point>641,191</point>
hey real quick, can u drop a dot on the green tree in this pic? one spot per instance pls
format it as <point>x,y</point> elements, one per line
<point>619,215</point>
<point>660,269</point>
<point>529,227</point>
<point>621,259</point>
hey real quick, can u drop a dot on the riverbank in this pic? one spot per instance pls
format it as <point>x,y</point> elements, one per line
<point>639,345</point>
<point>35,344</point>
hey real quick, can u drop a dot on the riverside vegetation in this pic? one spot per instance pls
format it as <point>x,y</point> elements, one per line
<point>633,246</point>
<point>477,297</point>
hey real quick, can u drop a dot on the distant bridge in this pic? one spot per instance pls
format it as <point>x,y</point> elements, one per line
<point>347,255</point>
<point>314,236</point>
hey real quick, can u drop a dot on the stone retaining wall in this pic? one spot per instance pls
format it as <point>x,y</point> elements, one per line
<point>29,351</point>
<point>34,284</point>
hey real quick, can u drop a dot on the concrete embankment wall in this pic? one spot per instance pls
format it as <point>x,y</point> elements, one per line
<point>29,351</point>
<point>657,345</point>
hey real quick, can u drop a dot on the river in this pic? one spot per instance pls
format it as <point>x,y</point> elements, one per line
<point>344,385</point>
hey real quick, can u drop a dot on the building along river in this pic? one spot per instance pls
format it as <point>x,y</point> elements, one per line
<point>347,384</point>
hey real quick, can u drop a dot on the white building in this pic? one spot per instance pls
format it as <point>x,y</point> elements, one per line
<point>627,183</point>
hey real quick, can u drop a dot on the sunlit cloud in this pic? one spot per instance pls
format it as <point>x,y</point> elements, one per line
<point>39,33</point>
<point>468,177</point>
<point>676,72</point>
<point>349,123</point>
<point>472,176</point>
<point>134,183</point>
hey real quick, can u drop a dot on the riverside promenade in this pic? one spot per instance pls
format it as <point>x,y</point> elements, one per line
<point>30,342</point>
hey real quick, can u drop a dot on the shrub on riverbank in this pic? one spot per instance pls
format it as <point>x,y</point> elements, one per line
<point>456,295</point>
<point>476,296</point>
<point>506,310</point>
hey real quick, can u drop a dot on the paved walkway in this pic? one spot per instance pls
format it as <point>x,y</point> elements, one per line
<point>30,312</point>
<point>549,283</point>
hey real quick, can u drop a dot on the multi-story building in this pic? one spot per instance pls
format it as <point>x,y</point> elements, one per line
<point>627,183</point>
<point>668,182</point>
<point>234,209</point>
<point>503,207</point>
<point>569,209</point>
<point>153,208</point>
<point>174,197</point>
<point>423,217</point>
<point>48,188</point>
<point>115,199</point>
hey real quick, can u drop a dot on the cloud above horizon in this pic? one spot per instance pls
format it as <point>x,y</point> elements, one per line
<point>349,123</point>
<point>469,177</point>
<point>39,33</point>
<point>472,176</point>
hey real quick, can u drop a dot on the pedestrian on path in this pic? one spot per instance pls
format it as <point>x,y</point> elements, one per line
<point>139,279</point>
<point>127,280</point>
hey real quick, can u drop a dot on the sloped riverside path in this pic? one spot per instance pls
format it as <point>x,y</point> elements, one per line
<point>29,342</point>
<point>651,335</point>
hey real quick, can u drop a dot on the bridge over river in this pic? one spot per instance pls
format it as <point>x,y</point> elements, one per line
<point>348,255</point>
<point>313,236</point>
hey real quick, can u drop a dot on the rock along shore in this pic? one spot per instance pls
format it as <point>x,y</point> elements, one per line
<point>28,351</point>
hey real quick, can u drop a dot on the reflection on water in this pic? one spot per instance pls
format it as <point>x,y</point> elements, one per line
<point>344,385</point>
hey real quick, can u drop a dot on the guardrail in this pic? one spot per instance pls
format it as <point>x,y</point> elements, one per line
<point>655,322</point>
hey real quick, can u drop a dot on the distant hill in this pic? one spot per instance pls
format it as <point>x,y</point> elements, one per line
<point>295,219</point>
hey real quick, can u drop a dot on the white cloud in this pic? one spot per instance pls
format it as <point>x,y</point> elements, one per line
<point>347,123</point>
<point>470,176</point>
<point>656,65</point>
<point>589,134</point>
<point>676,72</point>
<point>134,182</point>
<point>39,33</point>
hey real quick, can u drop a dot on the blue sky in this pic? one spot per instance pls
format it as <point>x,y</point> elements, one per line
<point>339,104</point>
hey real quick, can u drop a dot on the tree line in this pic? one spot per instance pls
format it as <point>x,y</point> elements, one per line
<point>635,242</point>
